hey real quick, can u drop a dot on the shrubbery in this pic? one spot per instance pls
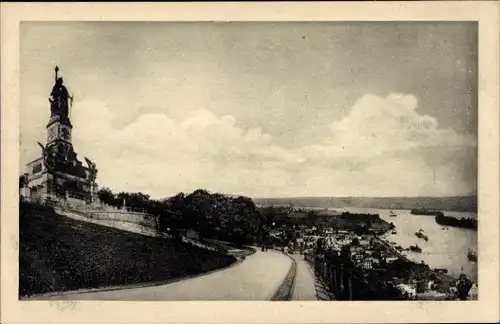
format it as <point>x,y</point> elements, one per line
<point>212,215</point>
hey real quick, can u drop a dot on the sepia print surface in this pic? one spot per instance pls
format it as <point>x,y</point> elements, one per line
<point>248,161</point>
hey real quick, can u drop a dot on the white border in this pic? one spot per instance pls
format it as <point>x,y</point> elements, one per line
<point>486,309</point>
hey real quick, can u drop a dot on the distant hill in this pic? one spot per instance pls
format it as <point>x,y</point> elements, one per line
<point>458,203</point>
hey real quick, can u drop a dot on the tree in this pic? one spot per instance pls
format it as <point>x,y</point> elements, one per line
<point>106,196</point>
<point>212,215</point>
<point>176,203</point>
<point>120,197</point>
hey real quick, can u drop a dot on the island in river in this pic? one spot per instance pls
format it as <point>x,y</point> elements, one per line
<point>463,222</point>
<point>426,212</point>
<point>441,219</point>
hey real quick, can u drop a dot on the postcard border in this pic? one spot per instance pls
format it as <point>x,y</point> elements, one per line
<point>485,12</point>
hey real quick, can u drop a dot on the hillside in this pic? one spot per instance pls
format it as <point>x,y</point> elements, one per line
<point>462,203</point>
<point>57,253</point>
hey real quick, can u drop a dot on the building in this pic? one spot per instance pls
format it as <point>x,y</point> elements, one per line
<point>58,175</point>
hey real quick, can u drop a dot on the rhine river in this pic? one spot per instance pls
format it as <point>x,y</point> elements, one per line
<point>447,248</point>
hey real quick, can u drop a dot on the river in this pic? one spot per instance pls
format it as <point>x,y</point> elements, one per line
<point>445,248</point>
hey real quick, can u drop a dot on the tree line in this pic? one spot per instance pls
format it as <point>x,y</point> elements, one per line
<point>212,215</point>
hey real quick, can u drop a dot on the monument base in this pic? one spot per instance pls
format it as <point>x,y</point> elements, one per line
<point>58,187</point>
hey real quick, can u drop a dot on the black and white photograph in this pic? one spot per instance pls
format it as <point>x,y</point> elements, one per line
<point>297,161</point>
<point>250,162</point>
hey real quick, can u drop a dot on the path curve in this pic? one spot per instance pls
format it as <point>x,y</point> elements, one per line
<point>256,278</point>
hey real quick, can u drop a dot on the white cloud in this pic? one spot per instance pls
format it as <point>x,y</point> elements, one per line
<point>162,156</point>
<point>376,125</point>
<point>380,148</point>
<point>385,147</point>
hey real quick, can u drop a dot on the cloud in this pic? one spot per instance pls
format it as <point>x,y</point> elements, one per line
<point>385,147</point>
<point>382,147</point>
<point>162,155</point>
<point>376,125</point>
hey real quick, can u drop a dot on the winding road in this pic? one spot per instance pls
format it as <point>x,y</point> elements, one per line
<point>256,278</point>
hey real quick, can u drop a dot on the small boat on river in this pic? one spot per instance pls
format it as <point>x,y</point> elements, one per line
<point>472,255</point>
<point>415,248</point>
<point>420,234</point>
<point>442,270</point>
<point>392,214</point>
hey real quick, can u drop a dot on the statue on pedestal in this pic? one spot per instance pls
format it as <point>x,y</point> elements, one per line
<point>49,157</point>
<point>60,157</point>
<point>59,98</point>
<point>92,170</point>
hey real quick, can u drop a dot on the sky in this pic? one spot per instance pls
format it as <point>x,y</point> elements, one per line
<point>261,109</point>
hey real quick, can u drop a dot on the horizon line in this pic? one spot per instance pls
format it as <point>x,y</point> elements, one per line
<point>306,197</point>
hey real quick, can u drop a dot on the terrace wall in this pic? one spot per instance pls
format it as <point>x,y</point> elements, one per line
<point>143,219</point>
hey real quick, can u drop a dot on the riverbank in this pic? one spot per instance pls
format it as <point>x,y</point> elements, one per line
<point>448,283</point>
<point>403,257</point>
<point>446,247</point>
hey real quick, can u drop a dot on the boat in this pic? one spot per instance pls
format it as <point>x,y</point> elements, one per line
<point>415,248</point>
<point>472,255</point>
<point>394,232</point>
<point>392,214</point>
<point>420,234</point>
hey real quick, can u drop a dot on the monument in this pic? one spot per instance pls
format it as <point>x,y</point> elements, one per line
<point>57,175</point>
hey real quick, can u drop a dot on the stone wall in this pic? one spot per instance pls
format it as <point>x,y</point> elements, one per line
<point>74,202</point>
<point>143,219</point>
<point>110,216</point>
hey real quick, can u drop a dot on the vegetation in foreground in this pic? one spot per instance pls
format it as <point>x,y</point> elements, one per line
<point>57,253</point>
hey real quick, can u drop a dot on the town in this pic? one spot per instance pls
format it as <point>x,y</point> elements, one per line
<point>350,253</point>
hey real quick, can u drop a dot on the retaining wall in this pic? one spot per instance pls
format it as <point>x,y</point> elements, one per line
<point>126,216</point>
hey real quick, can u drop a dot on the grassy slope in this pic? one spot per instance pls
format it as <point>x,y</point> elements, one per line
<point>58,253</point>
